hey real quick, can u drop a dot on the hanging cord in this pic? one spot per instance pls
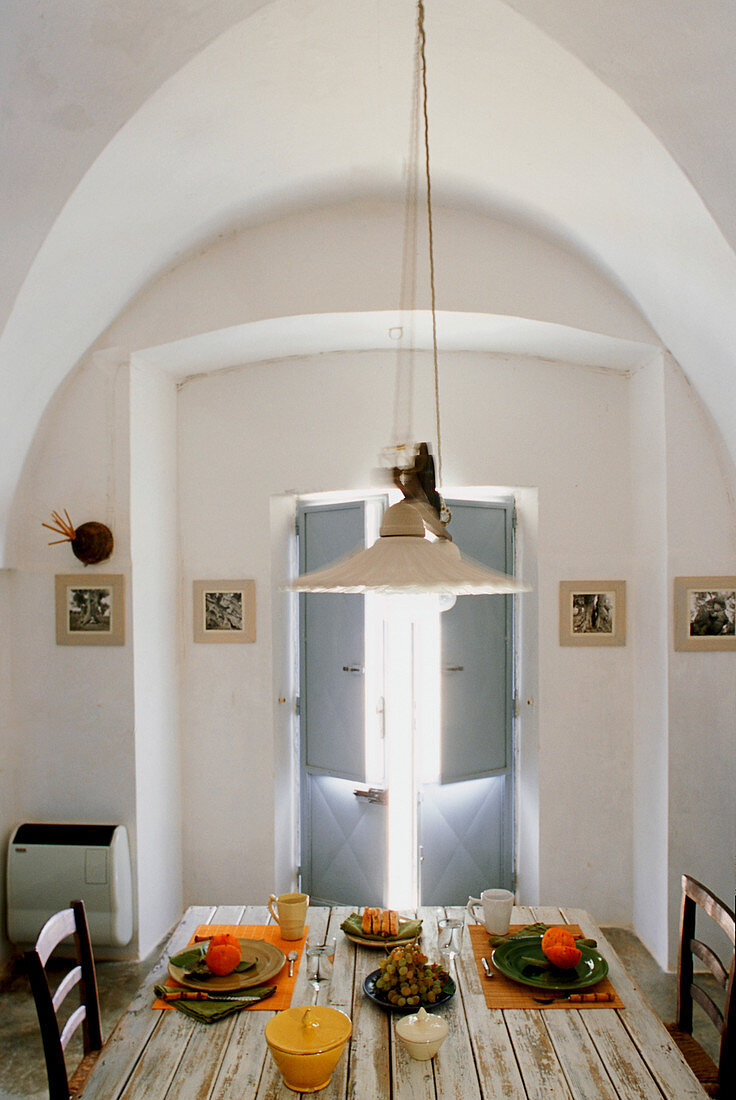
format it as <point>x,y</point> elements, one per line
<point>430,238</point>
<point>404,394</point>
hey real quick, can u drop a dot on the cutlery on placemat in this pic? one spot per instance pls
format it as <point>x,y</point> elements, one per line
<point>486,967</point>
<point>575,998</point>
<point>200,995</point>
<point>292,959</point>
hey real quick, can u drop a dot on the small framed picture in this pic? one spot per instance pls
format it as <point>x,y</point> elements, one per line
<point>592,612</point>
<point>224,611</point>
<point>704,612</point>
<point>90,609</point>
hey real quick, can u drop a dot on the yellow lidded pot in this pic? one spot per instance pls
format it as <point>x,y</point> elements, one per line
<point>306,1043</point>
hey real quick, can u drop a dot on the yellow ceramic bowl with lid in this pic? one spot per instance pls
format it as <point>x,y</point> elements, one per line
<point>306,1043</point>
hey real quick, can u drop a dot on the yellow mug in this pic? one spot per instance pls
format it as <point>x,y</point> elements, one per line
<point>290,914</point>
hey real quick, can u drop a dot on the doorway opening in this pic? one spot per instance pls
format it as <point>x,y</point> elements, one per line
<point>405,723</point>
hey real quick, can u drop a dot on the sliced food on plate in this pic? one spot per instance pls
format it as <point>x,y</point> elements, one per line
<point>380,922</point>
<point>377,927</point>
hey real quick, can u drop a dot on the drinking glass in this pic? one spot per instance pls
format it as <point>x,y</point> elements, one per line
<point>319,966</point>
<point>449,939</point>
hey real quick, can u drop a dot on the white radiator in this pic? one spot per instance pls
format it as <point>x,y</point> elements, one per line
<point>51,865</point>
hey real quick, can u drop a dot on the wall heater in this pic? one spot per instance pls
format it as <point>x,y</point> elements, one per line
<point>51,865</point>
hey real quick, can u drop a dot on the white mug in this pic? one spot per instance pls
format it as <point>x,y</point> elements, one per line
<point>290,914</point>
<point>497,906</point>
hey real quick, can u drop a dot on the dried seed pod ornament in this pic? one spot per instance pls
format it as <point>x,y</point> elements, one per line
<point>91,542</point>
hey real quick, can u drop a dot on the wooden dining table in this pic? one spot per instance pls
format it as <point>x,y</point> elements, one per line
<point>599,1053</point>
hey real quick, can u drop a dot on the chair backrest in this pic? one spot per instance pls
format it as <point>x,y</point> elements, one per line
<point>695,895</point>
<point>68,922</point>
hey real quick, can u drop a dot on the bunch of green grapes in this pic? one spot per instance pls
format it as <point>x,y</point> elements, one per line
<point>407,978</point>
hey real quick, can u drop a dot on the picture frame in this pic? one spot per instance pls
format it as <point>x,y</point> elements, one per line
<point>704,610</point>
<point>225,611</point>
<point>90,608</point>
<point>592,613</point>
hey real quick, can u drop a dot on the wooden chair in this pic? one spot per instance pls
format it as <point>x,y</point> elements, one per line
<point>717,1080</point>
<point>68,922</point>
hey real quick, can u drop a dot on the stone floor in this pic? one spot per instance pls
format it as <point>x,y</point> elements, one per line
<point>22,1066</point>
<point>22,1069</point>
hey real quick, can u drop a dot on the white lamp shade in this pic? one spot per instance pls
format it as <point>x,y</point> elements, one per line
<point>408,563</point>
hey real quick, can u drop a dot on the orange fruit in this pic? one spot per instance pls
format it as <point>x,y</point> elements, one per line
<point>223,954</point>
<point>558,944</point>
<point>563,956</point>
<point>557,935</point>
<point>225,937</point>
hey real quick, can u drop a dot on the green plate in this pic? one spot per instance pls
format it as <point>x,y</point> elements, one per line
<point>511,958</point>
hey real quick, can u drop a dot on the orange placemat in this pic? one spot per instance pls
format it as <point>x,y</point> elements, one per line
<point>503,992</point>
<point>271,933</point>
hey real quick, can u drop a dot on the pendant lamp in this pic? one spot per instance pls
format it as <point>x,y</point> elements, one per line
<point>415,552</point>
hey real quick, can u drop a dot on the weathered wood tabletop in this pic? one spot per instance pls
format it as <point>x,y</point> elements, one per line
<point>596,1054</point>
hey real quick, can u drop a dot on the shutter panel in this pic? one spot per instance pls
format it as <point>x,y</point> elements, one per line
<point>332,647</point>
<point>476,677</point>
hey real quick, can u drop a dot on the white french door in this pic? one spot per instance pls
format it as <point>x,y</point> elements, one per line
<point>342,812</point>
<point>405,726</point>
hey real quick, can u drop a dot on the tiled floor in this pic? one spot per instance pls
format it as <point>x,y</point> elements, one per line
<point>22,1070</point>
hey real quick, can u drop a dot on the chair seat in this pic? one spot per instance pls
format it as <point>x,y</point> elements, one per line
<point>78,1079</point>
<point>700,1063</point>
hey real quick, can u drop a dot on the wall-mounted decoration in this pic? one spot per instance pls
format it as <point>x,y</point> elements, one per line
<point>224,611</point>
<point>592,612</point>
<point>90,610</point>
<point>704,612</point>
<point>91,542</point>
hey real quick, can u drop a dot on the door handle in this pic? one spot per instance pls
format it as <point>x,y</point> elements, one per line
<point>454,668</point>
<point>373,794</point>
<point>353,668</point>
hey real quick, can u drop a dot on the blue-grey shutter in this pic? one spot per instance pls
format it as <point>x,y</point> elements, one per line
<point>343,841</point>
<point>476,683</point>
<point>332,647</point>
<point>466,820</point>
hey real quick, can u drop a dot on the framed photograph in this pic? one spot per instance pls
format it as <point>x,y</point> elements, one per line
<point>90,609</point>
<point>704,609</point>
<point>592,612</point>
<point>224,611</point>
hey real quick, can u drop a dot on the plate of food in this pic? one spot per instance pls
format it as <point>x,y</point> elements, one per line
<point>525,961</point>
<point>380,928</point>
<point>259,961</point>
<point>406,981</point>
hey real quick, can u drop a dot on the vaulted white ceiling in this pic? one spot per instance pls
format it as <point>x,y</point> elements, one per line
<point>134,131</point>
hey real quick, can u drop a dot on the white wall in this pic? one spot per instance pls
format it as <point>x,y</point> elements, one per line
<point>73,750</point>
<point>564,430</point>
<point>598,730</point>
<point>156,649</point>
<point>317,424</point>
<point>7,740</point>
<point>595,453</point>
<point>348,257</point>
<point>701,522</point>
<point>284,633</point>
<point>650,639</point>
<point>526,748</point>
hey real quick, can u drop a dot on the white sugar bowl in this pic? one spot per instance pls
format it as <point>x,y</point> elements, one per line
<point>422,1034</point>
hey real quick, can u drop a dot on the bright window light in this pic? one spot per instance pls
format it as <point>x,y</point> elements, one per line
<point>412,731</point>
<point>375,765</point>
<point>401,822</point>
<point>427,688</point>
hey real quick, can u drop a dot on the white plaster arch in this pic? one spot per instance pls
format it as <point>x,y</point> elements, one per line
<point>298,103</point>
